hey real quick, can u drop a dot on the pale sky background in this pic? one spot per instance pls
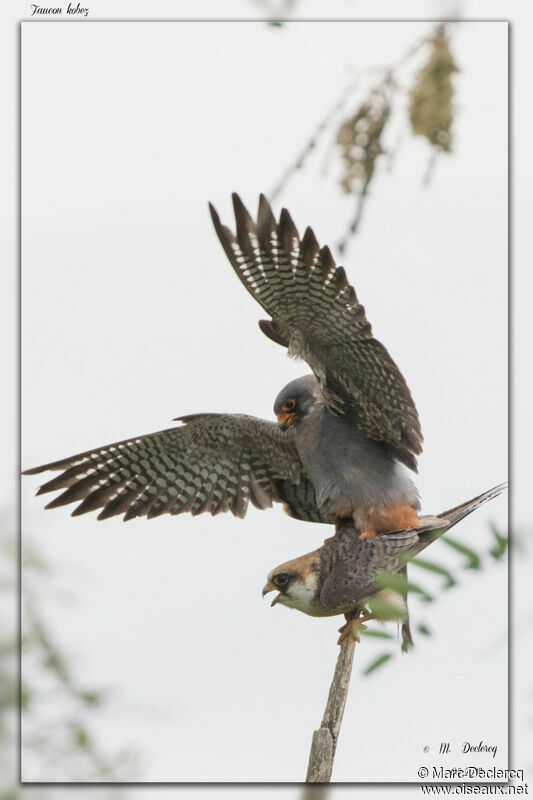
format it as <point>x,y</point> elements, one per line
<point>131,315</point>
<point>118,169</point>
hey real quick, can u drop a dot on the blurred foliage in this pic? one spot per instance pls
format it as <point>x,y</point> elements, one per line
<point>473,561</point>
<point>380,105</point>
<point>430,102</point>
<point>62,741</point>
<point>501,543</point>
<point>58,711</point>
<point>276,12</point>
<point>388,610</point>
<point>8,660</point>
<point>359,139</point>
<point>380,660</point>
<point>423,93</point>
<point>449,580</point>
<point>389,606</point>
<point>400,585</point>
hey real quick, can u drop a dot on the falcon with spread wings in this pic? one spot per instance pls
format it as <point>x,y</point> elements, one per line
<point>345,438</point>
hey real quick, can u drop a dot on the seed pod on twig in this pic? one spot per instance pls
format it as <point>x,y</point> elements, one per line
<point>360,139</point>
<point>431,98</point>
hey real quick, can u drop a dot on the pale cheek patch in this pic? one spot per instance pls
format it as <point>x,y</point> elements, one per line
<point>301,594</point>
<point>311,582</point>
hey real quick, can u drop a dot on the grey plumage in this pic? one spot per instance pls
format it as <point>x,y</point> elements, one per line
<point>316,314</point>
<point>349,471</point>
<point>355,429</point>
<point>214,463</point>
<point>355,419</point>
<point>351,565</point>
<point>340,576</point>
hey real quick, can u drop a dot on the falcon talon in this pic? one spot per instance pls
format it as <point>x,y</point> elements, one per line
<point>344,573</point>
<point>351,628</point>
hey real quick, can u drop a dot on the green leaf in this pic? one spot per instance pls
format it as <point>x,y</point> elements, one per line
<point>384,610</point>
<point>399,584</point>
<point>501,542</point>
<point>377,634</point>
<point>378,662</point>
<point>80,736</point>
<point>91,698</point>
<point>432,567</point>
<point>423,629</point>
<point>473,560</point>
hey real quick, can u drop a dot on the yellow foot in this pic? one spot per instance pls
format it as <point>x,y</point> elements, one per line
<point>352,628</point>
<point>367,534</point>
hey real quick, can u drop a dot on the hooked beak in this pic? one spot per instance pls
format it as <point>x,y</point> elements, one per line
<point>268,587</point>
<point>285,419</point>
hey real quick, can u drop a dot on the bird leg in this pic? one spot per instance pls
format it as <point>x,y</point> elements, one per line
<point>352,627</point>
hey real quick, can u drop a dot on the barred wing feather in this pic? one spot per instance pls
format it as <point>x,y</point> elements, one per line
<point>316,314</point>
<point>213,462</point>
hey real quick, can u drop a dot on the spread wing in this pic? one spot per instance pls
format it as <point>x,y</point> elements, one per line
<point>213,462</point>
<point>355,564</point>
<point>316,314</point>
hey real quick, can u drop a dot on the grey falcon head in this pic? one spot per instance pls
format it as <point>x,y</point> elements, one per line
<point>296,400</point>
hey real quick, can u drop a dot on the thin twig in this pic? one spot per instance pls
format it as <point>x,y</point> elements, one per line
<point>312,142</point>
<point>325,739</point>
<point>354,224</point>
<point>430,169</point>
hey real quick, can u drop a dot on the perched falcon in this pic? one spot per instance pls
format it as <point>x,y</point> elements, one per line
<point>342,574</point>
<point>346,435</point>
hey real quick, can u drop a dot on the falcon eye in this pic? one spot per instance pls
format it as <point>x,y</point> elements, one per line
<point>281,580</point>
<point>289,405</point>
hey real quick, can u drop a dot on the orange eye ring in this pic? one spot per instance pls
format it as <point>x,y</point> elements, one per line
<point>289,405</point>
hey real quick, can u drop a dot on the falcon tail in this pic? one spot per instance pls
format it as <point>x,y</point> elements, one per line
<point>432,527</point>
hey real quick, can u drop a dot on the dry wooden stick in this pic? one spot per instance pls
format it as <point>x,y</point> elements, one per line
<point>325,739</point>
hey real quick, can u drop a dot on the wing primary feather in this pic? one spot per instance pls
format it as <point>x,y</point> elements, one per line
<point>245,225</point>
<point>66,479</point>
<point>309,250</point>
<point>328,262</point>
<point>95,499</point>
<point>288,233</point>
<point>212,462</point>
<point>76,492</point>
<point>229,242</point>
<point>340,280</point>
<point>312,305</point>
<point>266,223</point>
<point>120,503</point>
